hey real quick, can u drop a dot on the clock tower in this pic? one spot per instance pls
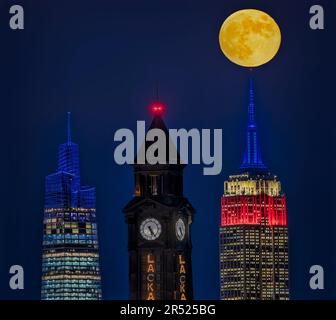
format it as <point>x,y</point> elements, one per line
<point>159,221</point>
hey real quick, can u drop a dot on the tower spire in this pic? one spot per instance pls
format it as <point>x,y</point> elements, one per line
<point>157,91</point>
<point>68,156</point>
<point>252,156</point>
<point>251,108</point>
<point>69,127</point>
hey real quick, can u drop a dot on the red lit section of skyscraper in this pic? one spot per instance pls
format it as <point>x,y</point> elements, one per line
<point>253,210</point>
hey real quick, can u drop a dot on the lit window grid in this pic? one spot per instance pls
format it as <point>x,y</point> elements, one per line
<point>67,267</point>
<point>251,268</point>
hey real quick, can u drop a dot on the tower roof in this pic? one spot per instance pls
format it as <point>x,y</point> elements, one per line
<point>157,109</point>
<point>252,157</point>
<point>157,122</point>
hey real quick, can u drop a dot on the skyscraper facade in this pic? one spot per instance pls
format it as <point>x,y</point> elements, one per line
<point>253,228</point>
<point>159,219</point>
<point>70,260</point>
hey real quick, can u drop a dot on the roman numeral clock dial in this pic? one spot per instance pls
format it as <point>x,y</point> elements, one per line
<point>150,229</point>
<point>180,229</point>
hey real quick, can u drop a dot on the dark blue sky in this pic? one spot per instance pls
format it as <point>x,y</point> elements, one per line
<point>100,60</point>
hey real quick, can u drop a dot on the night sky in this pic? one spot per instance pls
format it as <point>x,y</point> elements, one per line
<point>101,60</point>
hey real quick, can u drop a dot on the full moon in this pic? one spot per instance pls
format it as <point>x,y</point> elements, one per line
<point>250,38</point>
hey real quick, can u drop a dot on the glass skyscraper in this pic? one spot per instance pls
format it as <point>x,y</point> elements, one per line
<point>70,261</point>
<point>253,228</point>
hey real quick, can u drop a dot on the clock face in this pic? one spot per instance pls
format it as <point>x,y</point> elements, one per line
<point>180,229</point>
<point>150,229</point>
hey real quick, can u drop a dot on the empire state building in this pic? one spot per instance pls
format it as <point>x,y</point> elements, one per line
<point>253,228</point>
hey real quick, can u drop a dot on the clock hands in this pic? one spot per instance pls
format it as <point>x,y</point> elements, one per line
<point>151,230</point>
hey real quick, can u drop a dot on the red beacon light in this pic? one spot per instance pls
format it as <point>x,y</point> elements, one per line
<point>157,108</point>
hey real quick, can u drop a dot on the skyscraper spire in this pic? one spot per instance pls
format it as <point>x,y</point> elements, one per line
<point>68,156</point>
<point>251,109</point>
<point>69,127</point>
<point>252,157</point>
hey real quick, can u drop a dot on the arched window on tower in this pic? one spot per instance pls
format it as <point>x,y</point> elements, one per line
<point>137,189</point>
<point>155,184</point>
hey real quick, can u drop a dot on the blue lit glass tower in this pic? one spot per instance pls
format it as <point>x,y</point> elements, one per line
<point>70,261</point>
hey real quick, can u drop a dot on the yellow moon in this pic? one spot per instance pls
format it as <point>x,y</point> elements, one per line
<point>250,38</point>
